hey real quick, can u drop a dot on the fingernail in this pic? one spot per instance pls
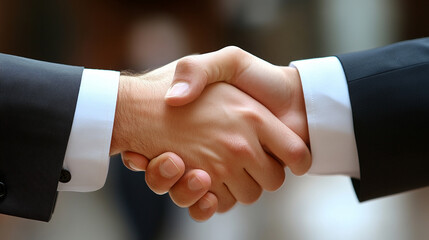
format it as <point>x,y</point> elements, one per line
<point>194,184</point>
<point>168,169</point>
<point>204,204</point>
<point>177,90</point>
<point>134,167</point>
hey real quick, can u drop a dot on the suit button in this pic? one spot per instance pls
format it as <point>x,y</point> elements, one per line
<point>2,190</point>
<point>65,176</point>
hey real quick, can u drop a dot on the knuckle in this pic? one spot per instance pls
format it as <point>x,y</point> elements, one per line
<point>221,171</point>
<point>239,147</point>
<point>298,152</point>
<point>186,65</point>
<point>236,54</point>
<point>234,50</point>
<point>190,69</point>
<point>251,114</point>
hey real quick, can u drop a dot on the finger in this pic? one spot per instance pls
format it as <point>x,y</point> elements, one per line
<point>225,198</point>
<point>193,73</point>
<point>285,145</point>
<point>163,172</point>
<point>266,171</point>
<point>190,188</point>
<point>134,161</point>
<point>204,208</point>
<point>243,187</point>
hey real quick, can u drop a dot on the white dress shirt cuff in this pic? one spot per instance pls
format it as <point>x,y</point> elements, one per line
<point>329,115</point>
<point>87,154</point>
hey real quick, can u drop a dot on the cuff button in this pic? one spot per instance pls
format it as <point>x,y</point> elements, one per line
<point>65,176</point>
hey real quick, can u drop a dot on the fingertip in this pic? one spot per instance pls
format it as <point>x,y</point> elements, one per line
<point>302,168</point>
<point>204,177</point>
<point>178,93</point>
<point>183,92</point>
<point>164,171</point>
<point>204,208</point>
<point>301,159</point>
<point>134,161</point>
<point>172,161</point>
<point>190,188</point>
<point>188,82</point>
<point>176,101</point>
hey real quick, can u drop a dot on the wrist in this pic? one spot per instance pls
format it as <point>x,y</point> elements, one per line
<point>119,141</point>
<point>298,103</point>
<point>139,115</point>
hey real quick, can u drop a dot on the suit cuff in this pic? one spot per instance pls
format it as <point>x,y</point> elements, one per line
<point>87,154</point>
<point>329,115</point>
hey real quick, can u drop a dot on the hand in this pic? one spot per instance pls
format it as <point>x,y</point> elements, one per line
<point>277,88</point>
<point>166,173</point>
<point>231,149</point>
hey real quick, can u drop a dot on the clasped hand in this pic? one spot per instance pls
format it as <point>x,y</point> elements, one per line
<point>211,144</point>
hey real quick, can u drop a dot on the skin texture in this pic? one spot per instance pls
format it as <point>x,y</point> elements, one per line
<point>278,88</point>
<point>225,132</point>
<point>202,204</point>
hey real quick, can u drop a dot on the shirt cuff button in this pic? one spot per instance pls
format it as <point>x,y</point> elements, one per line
<point>65,176</point>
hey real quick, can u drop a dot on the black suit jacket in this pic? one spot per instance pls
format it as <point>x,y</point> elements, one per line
<point>37,104</point>
<point>389,94</point>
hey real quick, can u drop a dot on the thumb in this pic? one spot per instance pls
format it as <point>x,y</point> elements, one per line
<point>194,73</point>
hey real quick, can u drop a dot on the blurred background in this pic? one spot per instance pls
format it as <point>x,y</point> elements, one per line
<point>145,34</point>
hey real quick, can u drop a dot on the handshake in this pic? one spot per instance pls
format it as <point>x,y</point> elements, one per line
<point>217,128</point>
<point>213,129</point>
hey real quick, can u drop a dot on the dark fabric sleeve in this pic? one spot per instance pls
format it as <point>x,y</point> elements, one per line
<point>389,94</point>
<point>37,104</point>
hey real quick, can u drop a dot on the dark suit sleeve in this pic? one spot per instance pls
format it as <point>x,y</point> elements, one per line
<point>389,94</point>
<point>37,104</point>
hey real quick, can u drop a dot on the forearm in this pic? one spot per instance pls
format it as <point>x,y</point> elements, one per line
<point>138,107</point>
